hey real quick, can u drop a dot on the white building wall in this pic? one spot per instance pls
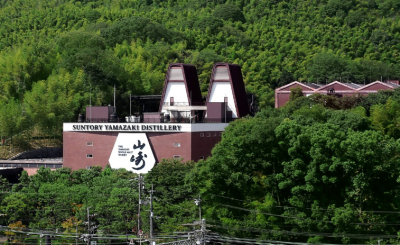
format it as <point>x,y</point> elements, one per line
<point>219,91</point>
<point>176,90</point>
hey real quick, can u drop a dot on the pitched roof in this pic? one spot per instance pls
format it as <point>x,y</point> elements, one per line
<point>237,84</point>
<point>350,86</point>
<point>191,83</point>
<point>389,85</point>
<point>311,86</point>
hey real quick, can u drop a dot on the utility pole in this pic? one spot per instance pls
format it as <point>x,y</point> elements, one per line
<point>151,215</point>
<point>141,182</point>
<point>88,223</point>
<point>151,211</point>
<point>198,203</point>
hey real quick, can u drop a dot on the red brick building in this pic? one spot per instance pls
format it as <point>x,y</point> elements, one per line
<point>184,127</point>
<point>339,89</point>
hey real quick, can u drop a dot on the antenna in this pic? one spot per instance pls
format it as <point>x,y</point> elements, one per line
<point>90,101</point>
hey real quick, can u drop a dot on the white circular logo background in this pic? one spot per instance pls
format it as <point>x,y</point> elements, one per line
<point>132,152</point>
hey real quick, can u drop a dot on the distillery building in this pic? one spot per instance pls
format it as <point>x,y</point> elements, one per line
<point>338,89</point>
<point>186,125</point>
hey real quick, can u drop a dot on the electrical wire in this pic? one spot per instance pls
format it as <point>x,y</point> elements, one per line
<point>360,236</point>
<point>365,211</point>
<point>293,217</point>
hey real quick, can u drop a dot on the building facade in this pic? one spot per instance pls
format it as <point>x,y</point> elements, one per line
<point>336,88</point>
<point>186,126</point>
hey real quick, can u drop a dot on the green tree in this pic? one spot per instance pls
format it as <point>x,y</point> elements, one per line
<point>174,203</point>
<point>229,12</point>
<point>295,93</point>
<point>58,100</point>
<point>327,66</point>
<point>79,48</point>
<point>12,119</point>
<point>386,118</point>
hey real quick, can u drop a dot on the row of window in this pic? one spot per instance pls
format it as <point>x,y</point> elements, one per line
<point>209,134</point>
<point>30,165</point>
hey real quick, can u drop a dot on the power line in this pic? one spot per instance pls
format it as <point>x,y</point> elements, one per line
<point>294,217</point>
<point>348,235</point>
<point>260,241</point>
<point>324,209</point>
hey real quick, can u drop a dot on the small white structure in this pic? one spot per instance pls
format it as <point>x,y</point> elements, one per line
<point>132,152</point>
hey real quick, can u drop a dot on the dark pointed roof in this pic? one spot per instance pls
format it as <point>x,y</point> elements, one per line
<point>237,84</point>
<point>191,83</point>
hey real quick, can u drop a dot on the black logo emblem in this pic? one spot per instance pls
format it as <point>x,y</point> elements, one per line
<point>139,159</point>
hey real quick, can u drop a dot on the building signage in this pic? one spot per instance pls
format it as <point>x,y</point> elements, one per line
<point>127,127</point>
<point>143,127</point>
<point>132,152</point>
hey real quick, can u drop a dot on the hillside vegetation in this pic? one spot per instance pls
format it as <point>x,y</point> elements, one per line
<point>54,54</point>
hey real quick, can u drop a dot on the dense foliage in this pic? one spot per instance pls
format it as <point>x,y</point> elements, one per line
<point>59,202</point>
<point>62,52</point>
<point>320,170</point>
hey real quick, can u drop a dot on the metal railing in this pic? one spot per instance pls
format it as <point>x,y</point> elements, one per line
<point>165,120</point>
<point>97,120</point>
<point>184,104</point>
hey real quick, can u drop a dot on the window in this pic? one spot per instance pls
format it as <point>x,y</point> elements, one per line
<point>177,144</point>
<point>201,157</point>
<point>221,73</point>
<point>88,167</point>
<point>220,134</point>
<point>175,74</point>
<point>89,143</point>
<point>177,156</point>
<point>201,134</point>
<point>171,101</point>
<point>208,134</point>
<point>89,156</point>
<point>215,134</point>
